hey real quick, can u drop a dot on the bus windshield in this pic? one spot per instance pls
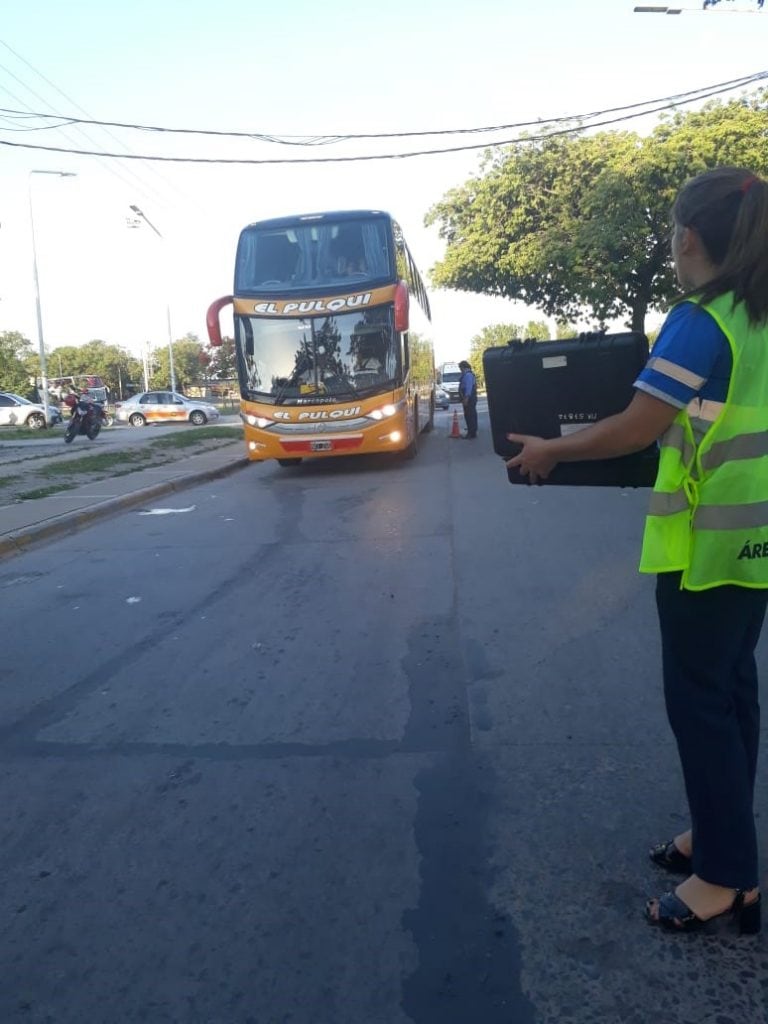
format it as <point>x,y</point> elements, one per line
<point>322,359</point>
<point>339,254</point>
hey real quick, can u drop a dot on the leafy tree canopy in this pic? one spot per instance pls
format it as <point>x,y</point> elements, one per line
<point>113,364</point>
<point>422,358</point>
<point>575,223</point>
<point>187,364</point>
<point>499,334</point>
<point>221,362</point>
<point>565,330</point>
<point>15,374</point>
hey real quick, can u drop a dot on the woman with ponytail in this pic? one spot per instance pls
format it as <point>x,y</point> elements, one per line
<point>704,396</point>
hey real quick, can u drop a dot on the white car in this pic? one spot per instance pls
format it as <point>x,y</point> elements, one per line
<point>442,398</point>
<point>16,411</point>
<point>164,407</point>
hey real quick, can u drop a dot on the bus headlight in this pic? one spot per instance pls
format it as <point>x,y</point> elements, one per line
<point>256,421</point>
<point>382,413</point>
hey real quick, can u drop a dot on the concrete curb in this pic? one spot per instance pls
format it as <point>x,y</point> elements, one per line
<point>71,522</point>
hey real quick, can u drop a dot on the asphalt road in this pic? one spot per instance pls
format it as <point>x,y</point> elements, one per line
<point>356,742</point>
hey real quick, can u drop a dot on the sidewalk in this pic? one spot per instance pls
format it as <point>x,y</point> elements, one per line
<point>27,522</point>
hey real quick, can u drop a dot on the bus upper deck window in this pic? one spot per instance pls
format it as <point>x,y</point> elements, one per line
<point>276,259</point>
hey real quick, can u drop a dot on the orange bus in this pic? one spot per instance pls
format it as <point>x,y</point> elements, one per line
<point>332,338</point>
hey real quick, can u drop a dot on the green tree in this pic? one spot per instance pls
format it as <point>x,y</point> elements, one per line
<point>422,358</point>
<point>497,335</point>
<point>564,331</point>
<point>15,354</point>
<point>537,330</point>
<point>575,223</point>
<point>115,365</point>
<point>222,360</point>
<point>187,366</point>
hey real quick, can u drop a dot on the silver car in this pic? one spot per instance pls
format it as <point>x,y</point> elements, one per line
<point>16,411</point>
<point>164,407</point>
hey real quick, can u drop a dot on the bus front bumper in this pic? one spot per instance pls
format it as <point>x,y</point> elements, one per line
<point>370,441</point>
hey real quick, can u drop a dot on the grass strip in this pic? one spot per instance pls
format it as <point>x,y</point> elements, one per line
<point>192,437</point>
<point>25,434</point>
<point>45,492</point>
<point>96,463</point>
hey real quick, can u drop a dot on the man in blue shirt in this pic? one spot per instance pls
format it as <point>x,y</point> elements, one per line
<point>468,396</point>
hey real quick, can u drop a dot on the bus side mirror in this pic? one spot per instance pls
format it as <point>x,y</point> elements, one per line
<point>401,306</point>
<point>212,319</point>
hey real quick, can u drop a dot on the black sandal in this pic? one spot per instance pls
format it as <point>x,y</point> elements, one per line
<point>676,916</point>
<point>667,856</point>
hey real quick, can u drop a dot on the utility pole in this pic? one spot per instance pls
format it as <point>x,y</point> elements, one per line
<point>140,213</point>
<point>38,306</point>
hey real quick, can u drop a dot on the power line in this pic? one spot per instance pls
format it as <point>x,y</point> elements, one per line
<point>134,181</point>
<point>547,134</point>
<point>313,140</point>
<point>119,173</point>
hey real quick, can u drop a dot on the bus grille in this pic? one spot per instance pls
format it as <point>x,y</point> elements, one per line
<point>322,427</point>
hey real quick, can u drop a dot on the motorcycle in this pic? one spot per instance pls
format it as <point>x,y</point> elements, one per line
<point>87,418</point>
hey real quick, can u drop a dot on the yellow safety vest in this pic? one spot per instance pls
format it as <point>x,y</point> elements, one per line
<point>708,514</point>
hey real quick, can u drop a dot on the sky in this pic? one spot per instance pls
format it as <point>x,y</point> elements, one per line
<point>290,69</point>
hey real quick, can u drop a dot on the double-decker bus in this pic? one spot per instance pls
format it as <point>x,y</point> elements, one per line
<point>332,324</point>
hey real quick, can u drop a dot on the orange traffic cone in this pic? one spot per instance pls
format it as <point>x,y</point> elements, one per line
<point>455,432</point>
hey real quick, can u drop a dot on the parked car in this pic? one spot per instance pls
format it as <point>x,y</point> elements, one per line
<point>16,411</point>
<point>164,407</point>
<point>442,398</point>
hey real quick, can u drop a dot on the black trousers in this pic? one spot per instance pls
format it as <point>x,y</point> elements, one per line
<point>708,642</point>
<point>470,416</point>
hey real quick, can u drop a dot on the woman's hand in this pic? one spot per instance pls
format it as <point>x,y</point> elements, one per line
<point>536,460</point>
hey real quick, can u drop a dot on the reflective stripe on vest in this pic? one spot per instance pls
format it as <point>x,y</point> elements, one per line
<point>710,517</point>
<point>745,446</point>
<point>668,503</point>
<point>731,517</point>
<point>675,437</point>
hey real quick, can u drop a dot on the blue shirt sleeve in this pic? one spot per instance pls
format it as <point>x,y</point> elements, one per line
<point>691,359</point>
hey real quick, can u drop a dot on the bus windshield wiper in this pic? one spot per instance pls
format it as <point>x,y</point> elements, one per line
<point>282,390</point>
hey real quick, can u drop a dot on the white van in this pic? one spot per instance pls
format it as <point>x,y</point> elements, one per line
<point>449,376</point>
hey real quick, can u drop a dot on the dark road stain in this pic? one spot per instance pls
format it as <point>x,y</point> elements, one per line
<point>469,960</point>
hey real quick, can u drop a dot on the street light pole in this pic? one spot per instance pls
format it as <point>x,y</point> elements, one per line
<point>145,218</point>
<point>38,307</point>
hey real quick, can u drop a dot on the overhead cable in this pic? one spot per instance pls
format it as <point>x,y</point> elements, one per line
<point>583,124</point>
<point>134,180</point>
<point>313,140</point>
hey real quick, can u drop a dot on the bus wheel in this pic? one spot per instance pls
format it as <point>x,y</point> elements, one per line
<point>412,450</point>
<point>288,462</point>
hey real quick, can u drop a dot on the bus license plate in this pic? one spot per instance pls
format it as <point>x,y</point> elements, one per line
<point>321,446</point>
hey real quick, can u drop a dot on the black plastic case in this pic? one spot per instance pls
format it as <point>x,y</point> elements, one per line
<point>551,388</point>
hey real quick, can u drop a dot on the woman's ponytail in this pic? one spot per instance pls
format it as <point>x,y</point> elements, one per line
<point>728,208</point>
